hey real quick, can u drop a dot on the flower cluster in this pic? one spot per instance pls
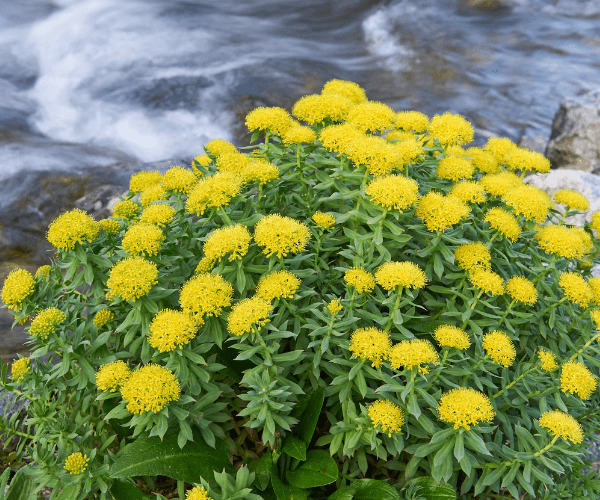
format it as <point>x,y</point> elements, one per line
<point>464,407</point>
<point>386,416</point>
<point>71,228</point>
<point>576,378</point>
<point>499,348</point>
<point>19,368</point>
<point>563,425</point>
<point>205,295</point>
<point>132,278</point>
<point>76,463</point>
<point>45,323</point>
<point>232,240</point>
<point>170,329</point>
<point>248,315</point>
<point>372,344</point>
<point>17,286</point>
<point>150,388</point>
<point>280,235</point>
<point>112,375</point>
<point>391,275</point>
<point>277,285</point>
<point>451,336</point>
<point>412,354</point>
<point>360,279</point>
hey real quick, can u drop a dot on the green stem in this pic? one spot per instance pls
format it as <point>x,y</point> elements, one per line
<point>506,313</point>
<point>585,346</point>
<point>267,134</point>
<point>554,305</point>
<point>389,324</point>
<point>224,216</point>
<point>546,448</point>
<point>515,381</point>
<point>435,377</point>
<point>489,243</point>
<point>541,275</point>
<point>319,236</point>
<point>472,306</point>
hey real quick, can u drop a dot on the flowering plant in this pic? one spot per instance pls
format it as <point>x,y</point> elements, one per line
<point>359,307</point>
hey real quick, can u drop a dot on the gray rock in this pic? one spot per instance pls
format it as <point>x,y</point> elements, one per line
<point>536,144</point>
<point>575,138</point>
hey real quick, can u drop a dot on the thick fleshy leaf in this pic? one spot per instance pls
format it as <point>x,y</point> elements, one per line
<point>318,470</point>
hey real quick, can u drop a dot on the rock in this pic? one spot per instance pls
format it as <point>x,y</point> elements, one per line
<point>536,144</point>
<point>575,138</point>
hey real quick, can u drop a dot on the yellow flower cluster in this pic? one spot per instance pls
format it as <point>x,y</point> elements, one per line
<point>500,348</point>
<point>152,194</point>
<point>131,278</point>
<point>563,425</point>
<point>126,209</point>
<point>576,288</point>
<point>112,375</point>
<point>317,108</point>
<point>440,212</point>
<point>595,315</point>
<point>454,168</point>
<point>71,228</point>
<point>360,279</point>
<point>412,354</point>
<point>527,200</point>
<point>324,221</point>
<point>143,180</point>
<point>451,336</point>
<point>277,285</point>
<point>371,343</point>
<point>197,493</point>
<point>449,128</point>
<point>109,226</point>
<point>576,378</point>
<point>350,90</point>
<point>386,416</point>
<point>143,239</point>
<point>399,135</point>
<point>566,242</point>
<point>504,222</point>
<point>521,289</point>
<point>213,191</point>
<point>179,179</point>
<point>372,116</point>
<point>411,121</point>
<point>280,235</point>
<point>19,368</point>
<point>595,224</point>
<point>594,283</point>
<point>232,240</point>
<point>76,463</point>
<point>528,161</point>
<point>297,134</point>
<point>217,147</point>
<point>471,255</point>
<point>500,183</point>
<point>150,388</point>
<point>572,199</point>
<point>548,361</point>
<point>501,148</point>
<point>393,191</point>
<point>234,163</point>
<point>261,171</point>
<point>159,214</point>
<point>170,329</point>
<point>334,307</point>
<point>18,285</point>
<point>482,160</point>
<point>276,120</point>
<point>102,317</point>
<point>205,294</point>
<point>487,280</point>
<point>464,407</point>
<point>249,315</point>
<point>469,191</point>
<point>45,322</point>
<point>390,275</point>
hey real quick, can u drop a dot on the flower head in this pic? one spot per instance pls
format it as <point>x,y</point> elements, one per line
<point>521,289</point>
<point>276,120</point>
<point>571,199</point>
<point>143,239</point>
<point>439,212</point>
<point>232,240</point>
<point>594,283</point>
<point>464,407</point>
<point>455,168</point>
<point>487,280</point>
<point>76,463</point>
<point>45,322</point>
<point>360,279</point>
<point>500,183</point>
<point>261,171</point>
<point>249,315</point>
<point>179,179</point>
<point>126,209</point>
<point>501,148</point>
<point>213,191</point>
<point>277,285</point>
<point>451,129</point>
<point>197,493</point>
<point>142,180</point>
<point>112,375</point>
<point>393,191</point>
<point>298,134</point>
<point>451,336</point>
<point>19,368</point>
<point>109,226</point>
<point>469,191</point>
<point>407,151</point>
<point>71,228</point>
<point>341,138</point>
<point>566,242</point>
<point>482,160</point>
<point>576,378</point>
<point>159,214</point>
<point>280,235</point>
<point>472,255</point>
<point>217,147</point>
<point>350,90</point>
<point>102,317</point>
<point>153,193</point>
<point>18,285</point>
<point>529,201</point>
<point>504,222</point>
<point>132,278</point>
<point>324,221</point>
<point>548,361</point>
<point>563,425</point>
<point>528,161</point>
<point>576,289</point>
<point>390,275</point>
<point>171,329</point>
<point>334,307</point>
<point>500,348</point>
<point>372,344</point>
<point>317,108</point>
<point>386,416</point>
<point>595,224</point>
<point>411,121</point>
<point>205,294</point>
<point>412,354</point>
<point>399,135</point>
<point>234,163</point>
<point>150,388</point>
<point>372,116</point>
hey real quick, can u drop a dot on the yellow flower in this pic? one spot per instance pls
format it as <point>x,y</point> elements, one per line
<point>19,368</point>
<point>482,160</point>
<point>372,344</point>
<point>249,315</point>
<point>360,279</point>
<point>595,224</point>
<point>377,155</point>
<point>464,407</point>
<point>399,135</point>
<point>153,193</point>
<point>529,201</point>
<point>158,213</point>
<point>563,425</point>
<point>469,191</point>
<point>372,116</point>
<point>500,183</point>
<point>112,375</point>
<point>150,388</point>
<point>170,329</point>
<point>280,235</point>
<point>594,283</point>
<point>386,416</point>
<point>576,288</point>
<point>487,280</point>
<point>203,160</point>
<point>179,179</point>
<point>71,228</point>
<point>563,241</point>
<point>548,361</point>
<point>451,129</point>
<point>232,240</point>
<point>576,378</point>
<point>234,163</point>
<point>472,255</point>
<point>501,148</point>
<point>261,171</point>
<point>390,275</point>
<point>142,180</point>
<point>217,147</point>
<point>521,289</point>
<point>76,463</point>
<point>318,108</point>
<point>411,120</point>
<point>451,336</point>
<point>324,221</point>
<point>297,134</point>
<point>393,191</point>
<point>504,222</point>
<point>276,120</point>
<point>407,151</point>
<point>412,354</point>
<point>454,168</point>
<point>277,285</point>
<point>334,307</point>
<point>529,161</point>
<point>102,317</point>
<point>205,294</point>
<point>500,348</point>
<point>45,322</point>
<point>197,493</point>
<point>595,315</point>
<point>18,285</point>
<point>350,90</point>
<point>340,138</point>
<point>143,239</point>
<point>131,278</point>
<point>109,226</point>
<point>572,199</point>
<point>213,191</point>
<point>126,209</point>
<point>440,212</point>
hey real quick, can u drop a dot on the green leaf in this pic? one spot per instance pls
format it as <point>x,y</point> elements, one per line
<point>308,421</point>
<point>432,491</point>
<point>22,488</point>
<point>295,447</point>
<point>149,456</point>
<point>263,470</point>
<point>366,489</point>
<point>318,470</point>
<point>285,492</point>
<point>124,490</point>
<point>70,492</point>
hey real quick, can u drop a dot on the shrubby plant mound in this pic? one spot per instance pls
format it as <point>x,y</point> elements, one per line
<point>359,306</point>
